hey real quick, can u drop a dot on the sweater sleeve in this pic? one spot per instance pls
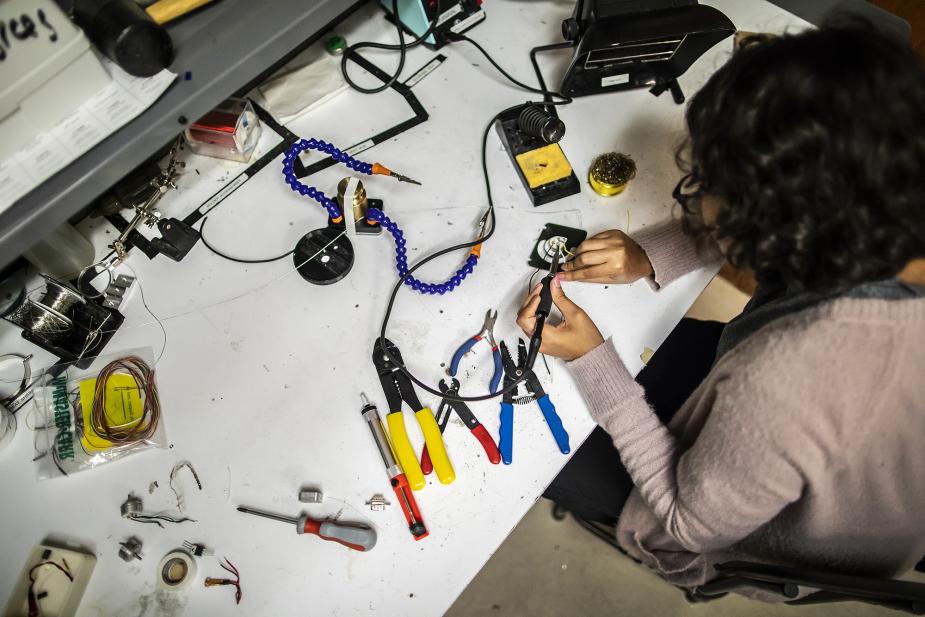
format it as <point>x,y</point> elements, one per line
<point>734,478</point>
<point>673,253</point>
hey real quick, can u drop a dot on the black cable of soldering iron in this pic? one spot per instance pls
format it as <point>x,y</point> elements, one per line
<point>402,48</point>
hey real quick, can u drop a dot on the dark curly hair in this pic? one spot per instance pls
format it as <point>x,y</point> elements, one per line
<point>816,144</point>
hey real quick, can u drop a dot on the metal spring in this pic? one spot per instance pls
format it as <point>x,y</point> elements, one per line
<point>59,297</point>
<point>41,320</point>
<point>537,122</point>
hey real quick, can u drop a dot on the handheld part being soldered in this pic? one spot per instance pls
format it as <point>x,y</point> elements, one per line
<point>486,334</point>
<point>446,409</point>
<point>131,510</point>
<point>397,388</point>
<point>512,374</point>
<point>358,537</point>
<point>399,482</point>
<point>543,310</point>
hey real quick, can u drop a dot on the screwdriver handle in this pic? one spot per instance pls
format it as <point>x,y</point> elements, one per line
<point>357,537</point>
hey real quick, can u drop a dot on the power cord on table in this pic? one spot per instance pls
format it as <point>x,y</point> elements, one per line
<point>239,260</point>
<point>402,48</point>
<point>547,96</point>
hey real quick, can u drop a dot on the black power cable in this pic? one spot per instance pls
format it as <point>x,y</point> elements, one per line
<point>402,48</point>
<point>237,259</point>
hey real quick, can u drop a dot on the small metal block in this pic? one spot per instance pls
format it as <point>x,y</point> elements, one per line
<point>310,496</point>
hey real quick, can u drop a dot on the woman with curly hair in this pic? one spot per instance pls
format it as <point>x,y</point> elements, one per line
<point>795,434</point>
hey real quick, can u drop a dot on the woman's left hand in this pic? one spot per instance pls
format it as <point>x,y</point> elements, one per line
<point>571,339</point>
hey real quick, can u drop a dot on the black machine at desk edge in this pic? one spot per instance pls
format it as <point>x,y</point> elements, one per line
<point>626,44</point>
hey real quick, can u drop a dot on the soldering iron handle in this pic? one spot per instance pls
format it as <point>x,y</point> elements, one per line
<point>505,441</point>
<point>555,423</point>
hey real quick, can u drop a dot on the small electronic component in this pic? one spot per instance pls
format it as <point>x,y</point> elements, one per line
<point>307,495</point>
<point>131,510</point>
<point>130,550</point>
<point>197,549</point>
<point>610,173</point>
<point>236,581</point>
<point>378,503</point>
<point>530,135</point>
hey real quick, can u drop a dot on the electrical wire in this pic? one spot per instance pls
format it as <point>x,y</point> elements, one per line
<point>147,424</point>
<point>547,94</point>
<point>402,48</point>
<point>237,259</point>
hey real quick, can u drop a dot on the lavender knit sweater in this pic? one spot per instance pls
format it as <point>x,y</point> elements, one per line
<point>805,445</point>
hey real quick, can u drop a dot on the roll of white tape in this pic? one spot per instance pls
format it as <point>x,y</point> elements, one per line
<point>176,571</point>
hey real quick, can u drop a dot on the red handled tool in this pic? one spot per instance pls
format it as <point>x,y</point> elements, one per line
<point>446,409</point>
<point>357,537</point>
<point>396,476</point>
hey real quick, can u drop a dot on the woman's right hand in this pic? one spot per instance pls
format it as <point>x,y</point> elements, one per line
<point>609,257</point>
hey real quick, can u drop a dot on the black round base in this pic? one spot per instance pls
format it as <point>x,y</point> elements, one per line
<point>323,256</point>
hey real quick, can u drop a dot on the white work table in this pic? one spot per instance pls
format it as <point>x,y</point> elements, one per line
<point>261,376</point>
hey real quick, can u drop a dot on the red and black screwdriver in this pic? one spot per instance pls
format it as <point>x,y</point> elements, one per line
<point>357,537</point>
<point>396,476</point>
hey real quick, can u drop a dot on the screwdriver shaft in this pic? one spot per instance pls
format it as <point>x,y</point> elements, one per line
<point>275,517</point>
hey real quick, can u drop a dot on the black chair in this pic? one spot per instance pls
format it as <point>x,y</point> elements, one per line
<point>734,575</point>
<point>785,581</point>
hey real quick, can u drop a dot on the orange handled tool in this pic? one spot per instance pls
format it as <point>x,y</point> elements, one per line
<point>357,537</point>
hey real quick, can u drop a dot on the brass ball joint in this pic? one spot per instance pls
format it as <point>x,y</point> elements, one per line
<point>610,173</point>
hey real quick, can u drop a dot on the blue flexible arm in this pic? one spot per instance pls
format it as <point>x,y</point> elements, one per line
<point>458,356</point>
<point>506,433</point>
<point>555,424</point>
<point>499,371</point>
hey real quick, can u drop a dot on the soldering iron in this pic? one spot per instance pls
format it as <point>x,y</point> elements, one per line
<point>542,311</point>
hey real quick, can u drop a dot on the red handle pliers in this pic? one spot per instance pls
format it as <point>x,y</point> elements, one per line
<point>465,414</point>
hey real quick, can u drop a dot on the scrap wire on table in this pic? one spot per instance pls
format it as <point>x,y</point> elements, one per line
<point>173,474</point>
<point>209,582</point>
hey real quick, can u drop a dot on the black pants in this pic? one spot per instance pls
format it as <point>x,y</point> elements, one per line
<point>594,484</point>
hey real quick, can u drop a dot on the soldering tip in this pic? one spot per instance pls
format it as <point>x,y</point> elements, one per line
<point>363,399</point>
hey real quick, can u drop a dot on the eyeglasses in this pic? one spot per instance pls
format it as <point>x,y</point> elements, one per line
<point>687,193</point>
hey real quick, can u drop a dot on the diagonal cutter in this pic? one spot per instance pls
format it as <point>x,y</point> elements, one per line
<point>445,410</point>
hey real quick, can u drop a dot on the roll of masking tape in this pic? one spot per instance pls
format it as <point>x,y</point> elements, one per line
<point>176,571</point>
